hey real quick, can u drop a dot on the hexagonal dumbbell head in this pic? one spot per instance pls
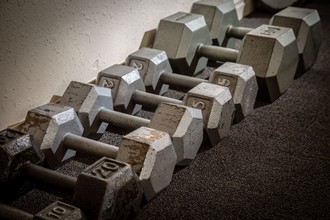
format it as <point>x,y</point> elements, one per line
<point>87,100</point>
<point>184,125</point>
<point>16,147</point>
<point>218,16</point>
<point>217,108</point>
<point>113,187</point>
<point>151,64</point>
<point>306,25</point>
<point>180,36</point>
<point>48,124</point>
<point>123,81</point>
<point>242,84</point>
<point>152,156</point>
<point>273,53</point>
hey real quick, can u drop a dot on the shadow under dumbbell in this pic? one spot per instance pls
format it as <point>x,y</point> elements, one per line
<point>14,189</point>
<point>260,103</point>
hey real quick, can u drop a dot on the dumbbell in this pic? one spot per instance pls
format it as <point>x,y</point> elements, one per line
<point>129,94</point>
<point>271,50</point>
<point>105,189</point>
<point>306,25</point>
<point>56,210</point>
<point>222,21</point>
<point>93,105</point>
<point>57,131</point>
<point>240,79</point>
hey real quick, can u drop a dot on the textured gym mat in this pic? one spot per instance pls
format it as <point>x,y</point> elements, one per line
<point>274,164</point>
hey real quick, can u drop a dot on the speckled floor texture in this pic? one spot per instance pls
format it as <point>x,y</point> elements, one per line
<point>275,164</point>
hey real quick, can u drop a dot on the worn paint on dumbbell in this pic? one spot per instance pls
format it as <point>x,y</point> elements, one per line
<point>155,176</point>
<point>133,156</point>
<point>37,122</point>
<point>92,102</point>
<point>5,136</point>
<point>216,100</point>
<point>14,146</point>
<point>104,169</point>
<point>240,79</point>
<point>23,149</point>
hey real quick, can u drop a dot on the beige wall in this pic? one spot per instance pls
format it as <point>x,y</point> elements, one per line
<point>44,44</point>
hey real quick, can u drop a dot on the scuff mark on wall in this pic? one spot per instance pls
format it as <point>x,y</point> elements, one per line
<point>20,71</point>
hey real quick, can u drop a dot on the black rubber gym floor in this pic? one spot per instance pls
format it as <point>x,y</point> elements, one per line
<point>274,165</point>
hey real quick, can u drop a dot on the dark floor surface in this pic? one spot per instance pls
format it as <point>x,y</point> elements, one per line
<point>275,164</point>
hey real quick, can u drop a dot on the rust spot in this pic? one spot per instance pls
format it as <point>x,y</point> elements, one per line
<point>133,153</point>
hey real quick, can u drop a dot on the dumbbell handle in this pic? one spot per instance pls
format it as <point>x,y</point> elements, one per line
<point>89,146</point>
<point>121,120</point>
<point>237,32</point>
<point>180,82</point>
<point>49,177</point>
<point>217,53</point>
<point>77,143</point>
<point>150,100</point>
<point>7,212</point>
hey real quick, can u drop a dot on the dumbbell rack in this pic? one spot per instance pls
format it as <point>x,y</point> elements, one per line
<point>262,150</point>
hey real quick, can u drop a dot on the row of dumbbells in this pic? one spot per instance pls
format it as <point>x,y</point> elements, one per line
<point>144,161</point>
